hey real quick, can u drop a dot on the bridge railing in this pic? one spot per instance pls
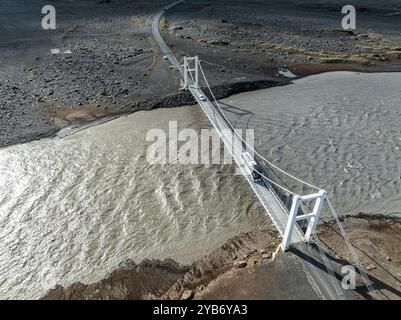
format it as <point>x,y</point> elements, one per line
<point>304,211</point>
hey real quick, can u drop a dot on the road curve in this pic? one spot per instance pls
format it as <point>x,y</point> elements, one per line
<point>165,49</point>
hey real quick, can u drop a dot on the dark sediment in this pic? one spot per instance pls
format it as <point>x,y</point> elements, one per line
<point>100,58</point>
<point>109,63</point>
<point>256,39</point>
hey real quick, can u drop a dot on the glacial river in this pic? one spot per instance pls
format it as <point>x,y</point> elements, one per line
<point>340,131</point>
<point>73,208</point>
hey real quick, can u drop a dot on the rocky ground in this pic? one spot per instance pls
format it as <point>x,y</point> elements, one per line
<point>261,38</point>
<point>376,240</point>
<point>102,60</point>
<point>244,268</point>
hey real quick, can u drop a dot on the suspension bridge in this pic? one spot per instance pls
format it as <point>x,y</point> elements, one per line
<point>293,205</point>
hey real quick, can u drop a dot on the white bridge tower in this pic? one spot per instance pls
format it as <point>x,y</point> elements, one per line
<point>191,72</point>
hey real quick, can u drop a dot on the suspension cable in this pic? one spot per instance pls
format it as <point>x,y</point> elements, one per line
<point>248,165</point>
<point>247,144</point>
<point>351,248</point>
<point>268,179</point>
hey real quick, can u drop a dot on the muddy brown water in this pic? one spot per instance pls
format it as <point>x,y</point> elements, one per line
<point>340,131</point>
<point>73,208</point>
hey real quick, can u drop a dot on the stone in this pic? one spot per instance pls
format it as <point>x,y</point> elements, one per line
<point>240,264</point>
<point>187,295</point>
<point>176,28</point>
<point>128,264</point>
<point>200,288</point>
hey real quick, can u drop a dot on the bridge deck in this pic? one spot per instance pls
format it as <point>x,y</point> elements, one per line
<point>262,189</point>
<point>266,195</point>
<point>324,281</point>
<point>328,286</point>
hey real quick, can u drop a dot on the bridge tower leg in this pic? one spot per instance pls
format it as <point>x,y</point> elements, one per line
<point>191,72</point>
<point>312,217</point>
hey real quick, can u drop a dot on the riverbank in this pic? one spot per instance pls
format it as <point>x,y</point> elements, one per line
<point>244,268</point>
<point>100,62</point>
<point>75,207</point>
<point>177,211</point>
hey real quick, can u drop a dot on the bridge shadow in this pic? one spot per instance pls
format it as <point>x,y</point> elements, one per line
<point>374,260</point>
<point>362,290</point>
<point>235,110</point>
<point>367,255</point>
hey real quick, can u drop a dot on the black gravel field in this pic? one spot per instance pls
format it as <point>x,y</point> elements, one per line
<point>102,60</point>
